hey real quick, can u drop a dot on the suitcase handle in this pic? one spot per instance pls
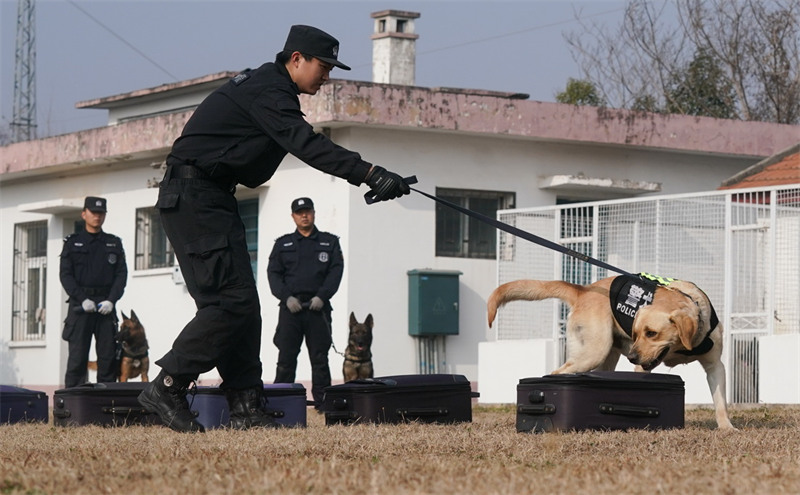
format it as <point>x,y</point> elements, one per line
<point>421,412</point>
<point>61,413</point>
<point>124,410</point>
<point>340,415</point>
<point>624,410</point>
<point>536,409</point>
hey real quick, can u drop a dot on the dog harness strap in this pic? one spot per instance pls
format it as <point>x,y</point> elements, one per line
<point>365,360</point>
<point>134,356</point>
<point>701,348</point>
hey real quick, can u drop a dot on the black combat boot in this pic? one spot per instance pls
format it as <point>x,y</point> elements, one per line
<point>166,396</point>
<point>247,409</point>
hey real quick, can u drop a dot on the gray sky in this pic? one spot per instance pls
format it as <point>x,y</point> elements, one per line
<point>92,49</point>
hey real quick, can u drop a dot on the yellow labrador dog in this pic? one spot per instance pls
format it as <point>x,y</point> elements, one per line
<point>648,319</point>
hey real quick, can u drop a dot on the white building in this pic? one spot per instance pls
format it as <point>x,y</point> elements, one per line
<point>484,149</point>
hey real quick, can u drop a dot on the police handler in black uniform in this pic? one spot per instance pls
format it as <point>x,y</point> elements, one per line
<point>239,135</point>
<point>94,274</point>
<point>305,270</point>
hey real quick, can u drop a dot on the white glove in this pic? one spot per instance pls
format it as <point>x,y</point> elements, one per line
<point>105,307</point>
<point>293,304</point>
<point>316,304</point>
<point>88,306</point>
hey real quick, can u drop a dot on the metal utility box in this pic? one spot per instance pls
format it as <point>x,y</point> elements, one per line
<point>433,302</point>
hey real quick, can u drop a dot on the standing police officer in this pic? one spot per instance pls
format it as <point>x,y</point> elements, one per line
<point>239,135</point>
<point>304,272</point>
<point>94,273</point>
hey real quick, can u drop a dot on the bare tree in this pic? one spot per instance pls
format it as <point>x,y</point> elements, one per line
<point>755,44</point>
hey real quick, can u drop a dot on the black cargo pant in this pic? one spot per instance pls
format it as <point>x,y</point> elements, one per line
<point>314,326</point>
<point>79,328</point>
<point>202,222</point>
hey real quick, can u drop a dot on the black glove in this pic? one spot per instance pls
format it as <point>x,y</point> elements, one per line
<point>386,185</point>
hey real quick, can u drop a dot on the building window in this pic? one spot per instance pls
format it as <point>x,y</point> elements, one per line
<point>248,210</point>
<point>461,236</point>
<point>153,249</point>
<point>30,274</point>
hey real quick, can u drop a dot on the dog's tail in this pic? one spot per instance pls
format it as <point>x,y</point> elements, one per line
<point>531,290</point>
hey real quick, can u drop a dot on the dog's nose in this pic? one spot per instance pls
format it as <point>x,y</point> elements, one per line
<point>633,358</point>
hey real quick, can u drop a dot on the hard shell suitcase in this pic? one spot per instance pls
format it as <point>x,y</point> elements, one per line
<point>600,400</point>
<point>286,402</point>
<point>19,404</point>
<point>105,404</point>
<point>435,398</point>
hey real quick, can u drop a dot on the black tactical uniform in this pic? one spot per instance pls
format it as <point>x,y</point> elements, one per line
<point>238,135</point>
<point>92,267</point>
<point>305,267</point>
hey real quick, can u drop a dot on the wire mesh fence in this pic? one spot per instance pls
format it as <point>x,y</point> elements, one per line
<point>739,246</point>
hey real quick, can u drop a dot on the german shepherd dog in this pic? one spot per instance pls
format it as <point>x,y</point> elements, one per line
<point>132,339</point>
<point>358,354</point>
<point>675,324</point>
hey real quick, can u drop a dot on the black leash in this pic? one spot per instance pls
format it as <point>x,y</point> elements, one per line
<point>508,228</point>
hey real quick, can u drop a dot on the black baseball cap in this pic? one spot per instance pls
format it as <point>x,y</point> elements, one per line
<point>302,204</point>
<point>93,203</point>
<point>311,41</point>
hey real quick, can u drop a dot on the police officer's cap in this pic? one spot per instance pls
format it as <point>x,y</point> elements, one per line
<point>93,203</point>
<point>309,40</point>
<point>302,204</point>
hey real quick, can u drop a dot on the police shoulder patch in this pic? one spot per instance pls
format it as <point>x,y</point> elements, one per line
<point>240,78</point>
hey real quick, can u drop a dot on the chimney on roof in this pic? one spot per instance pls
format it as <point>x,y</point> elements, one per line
<point>394,47</point>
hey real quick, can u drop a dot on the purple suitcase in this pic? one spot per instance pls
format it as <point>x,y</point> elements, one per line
<point>104,404</point>
<point>600,400</point>
<point>286,402</point>
<point>22,405</point>
<point>437,398</point>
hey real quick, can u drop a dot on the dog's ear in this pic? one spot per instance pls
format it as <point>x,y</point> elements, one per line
<point>353,320</point>
<point>134,317</point>
<point>686,323</point>
<point>123,315</point>
<point>368,321</point>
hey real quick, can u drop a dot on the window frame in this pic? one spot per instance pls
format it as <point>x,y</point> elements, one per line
<point>148,218</point>
<point>28,323</point>
<point>466,234</point>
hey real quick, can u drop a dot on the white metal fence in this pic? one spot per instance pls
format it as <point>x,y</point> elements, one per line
<point>739,246</point>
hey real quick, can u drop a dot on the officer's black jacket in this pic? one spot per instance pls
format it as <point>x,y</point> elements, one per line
<point>243,130</point>
<point>305,267</point>
<point>93,267</point>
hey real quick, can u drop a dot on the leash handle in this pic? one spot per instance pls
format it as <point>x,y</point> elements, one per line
<point>369,196</point>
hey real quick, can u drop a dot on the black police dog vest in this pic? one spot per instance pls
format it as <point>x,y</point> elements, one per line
<point>629,293</point>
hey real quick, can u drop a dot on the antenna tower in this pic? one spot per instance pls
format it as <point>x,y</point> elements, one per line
<point>23,122</point>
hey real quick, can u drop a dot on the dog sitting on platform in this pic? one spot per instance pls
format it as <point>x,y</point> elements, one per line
<point>358,354</point>
<point>132,339</point>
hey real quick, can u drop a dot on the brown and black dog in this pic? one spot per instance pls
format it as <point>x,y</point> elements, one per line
<point>135,360</point>
<point>358,354</point>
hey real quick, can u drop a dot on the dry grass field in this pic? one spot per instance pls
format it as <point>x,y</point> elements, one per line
<point>486,456</point>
